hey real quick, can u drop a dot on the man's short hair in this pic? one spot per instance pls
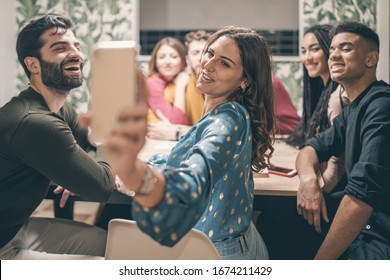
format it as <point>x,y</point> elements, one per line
<point>29,42</point>
<point>360,29</point>
<point>196,36</point>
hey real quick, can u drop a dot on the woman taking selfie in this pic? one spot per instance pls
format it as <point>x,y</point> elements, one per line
<point>206,182</point>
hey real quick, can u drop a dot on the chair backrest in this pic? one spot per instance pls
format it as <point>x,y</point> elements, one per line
<point>126,241</point>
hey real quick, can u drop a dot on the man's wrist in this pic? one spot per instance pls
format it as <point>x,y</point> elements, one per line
<point>308,179</point>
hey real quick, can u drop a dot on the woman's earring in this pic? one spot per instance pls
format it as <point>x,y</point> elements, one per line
<point>244,85</point>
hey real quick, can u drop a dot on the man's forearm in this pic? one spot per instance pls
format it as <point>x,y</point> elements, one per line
<point>307,164</point>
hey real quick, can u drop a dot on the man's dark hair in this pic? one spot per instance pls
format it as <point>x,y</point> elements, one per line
<point>360,29</point>
<point>29,42</point>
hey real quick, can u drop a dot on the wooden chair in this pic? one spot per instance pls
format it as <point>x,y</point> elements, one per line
<point>126,241</point>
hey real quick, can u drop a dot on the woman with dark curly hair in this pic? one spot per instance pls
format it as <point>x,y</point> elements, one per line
<point>206,182</point>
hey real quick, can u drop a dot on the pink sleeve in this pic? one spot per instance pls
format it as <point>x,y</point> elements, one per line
<point>157,101</point>
<point>286,115</point>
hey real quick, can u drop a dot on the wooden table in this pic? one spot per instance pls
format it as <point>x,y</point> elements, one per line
<point>284,155</point>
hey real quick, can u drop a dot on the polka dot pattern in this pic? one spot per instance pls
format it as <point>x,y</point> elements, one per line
<point>209,181</point>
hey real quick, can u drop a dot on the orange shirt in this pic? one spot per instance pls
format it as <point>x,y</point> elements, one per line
<point>194,101</point>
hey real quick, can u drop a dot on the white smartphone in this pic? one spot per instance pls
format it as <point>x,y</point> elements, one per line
<point>113,84</point>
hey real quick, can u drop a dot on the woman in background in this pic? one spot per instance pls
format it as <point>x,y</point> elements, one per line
<point>165,69</point>
<point>317,85</point>
<point>323,99</point>
<point>206,182</point>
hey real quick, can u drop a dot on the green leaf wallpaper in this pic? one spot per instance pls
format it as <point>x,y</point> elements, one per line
<point>96,20</point>
<point>334,11</point>
<point>323,12</point>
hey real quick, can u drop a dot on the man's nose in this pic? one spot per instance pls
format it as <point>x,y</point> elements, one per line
<point>334,54</point>
<point>76,53</point>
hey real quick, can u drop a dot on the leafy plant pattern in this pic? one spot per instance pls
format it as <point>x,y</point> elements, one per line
<point>336,11</point>
<point>323,12</point>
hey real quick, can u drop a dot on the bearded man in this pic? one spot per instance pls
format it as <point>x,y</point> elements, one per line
<point>42,142</point>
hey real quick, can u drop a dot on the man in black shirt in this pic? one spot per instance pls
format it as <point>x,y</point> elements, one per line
<point>361,226</point>
<point>41,142</point>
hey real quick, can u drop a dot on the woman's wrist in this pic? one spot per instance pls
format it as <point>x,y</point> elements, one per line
<point>145,184</point>
<point>148,183</point>
<point>133,180</point>
<point>178,133</point>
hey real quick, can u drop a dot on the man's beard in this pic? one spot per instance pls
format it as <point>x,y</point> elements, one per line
<point>53,76</point>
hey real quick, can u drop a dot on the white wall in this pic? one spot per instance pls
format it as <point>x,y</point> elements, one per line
<point>7,50</point>
<point>212,14</point>
<point>383,29</point>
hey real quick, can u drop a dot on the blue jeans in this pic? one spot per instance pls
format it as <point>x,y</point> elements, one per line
<point>249,246</point>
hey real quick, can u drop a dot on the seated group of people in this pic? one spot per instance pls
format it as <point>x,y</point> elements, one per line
<point>206,182</point>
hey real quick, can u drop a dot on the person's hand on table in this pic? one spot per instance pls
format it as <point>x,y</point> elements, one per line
<point>65,195</point>
<point>165,130</point>
<point>311,203</point>
<point>162,130</point>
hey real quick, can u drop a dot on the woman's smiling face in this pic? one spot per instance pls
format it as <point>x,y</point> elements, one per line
<point>313,57</point>
<point>221,70</point>
<point>168,62</point>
